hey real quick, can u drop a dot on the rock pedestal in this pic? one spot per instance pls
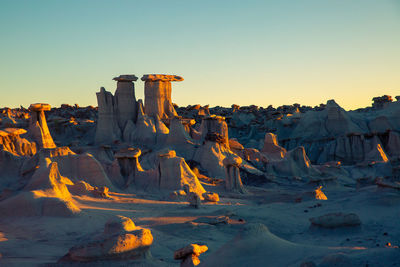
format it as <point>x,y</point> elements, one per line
<point>128,160</point>
<point>116,111</point>
<point>157,91</point>
<point>125,100</point>
<point>107,130</point>
<point>38,129</point>
<point>233,183</point>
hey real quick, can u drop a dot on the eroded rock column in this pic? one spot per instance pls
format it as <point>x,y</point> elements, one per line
<point>233,183</point>
<point>157,92</point>
<point>125,100</point>
<point>107,130</point>
<point>128,160</point>
<point>38,129</point>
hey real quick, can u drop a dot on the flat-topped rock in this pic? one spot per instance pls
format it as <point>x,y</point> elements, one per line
<point>128,153</point>
<point>39,107</point>
<point>14,131</point>
<point>126,78</point>
<point>162,78</point>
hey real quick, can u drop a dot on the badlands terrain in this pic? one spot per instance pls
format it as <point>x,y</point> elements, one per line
<point>148,183</point>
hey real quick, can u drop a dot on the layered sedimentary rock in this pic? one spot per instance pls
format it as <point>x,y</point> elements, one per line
<point>125,99</point>
<point>179,138</point>
<point>157,91</point>
<point>38,129</point>
<point>11,141</point>
<point>116,113</point>
<point>271,147</point>
<point>107,130</point>
<point>175,174</point>
<point>75,166</point>
<point>45,194</point>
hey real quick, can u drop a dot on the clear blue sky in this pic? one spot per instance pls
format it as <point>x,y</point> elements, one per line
<point>242,52</point>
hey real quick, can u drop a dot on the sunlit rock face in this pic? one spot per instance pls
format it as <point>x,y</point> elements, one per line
<point>45,194</point>
<point>12,142</point>
<point>175,174</point>
<point>157,91</point>
<point>38,129</point>
<point>121,240</point>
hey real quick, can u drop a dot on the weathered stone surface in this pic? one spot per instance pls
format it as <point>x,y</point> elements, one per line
<point>157,91</point>
<point>190,254</point>
<point>120,240</point>
<point>215,126</point>
<point>126,78</point>
<point>128,160</point>
<point>161,77</point>
<point>125,100</point>
<point>107,130</point>
<point>211,197</point>
<point>38,129</point>
<point>233,183</point>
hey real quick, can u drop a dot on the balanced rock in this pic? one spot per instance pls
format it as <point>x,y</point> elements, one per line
<point>233,183</point>
<point>38,129</point>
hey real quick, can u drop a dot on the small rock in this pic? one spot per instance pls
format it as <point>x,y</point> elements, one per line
<point>189,255</point>
<point>194,200</point>
<point>211,197</point>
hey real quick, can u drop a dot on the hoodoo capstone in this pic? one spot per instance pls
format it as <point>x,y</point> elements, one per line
<point>157,91</point>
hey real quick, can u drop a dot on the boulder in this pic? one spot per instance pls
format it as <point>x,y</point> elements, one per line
<point>189,255</point>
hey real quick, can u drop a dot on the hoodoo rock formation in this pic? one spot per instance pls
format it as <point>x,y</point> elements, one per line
<point>115,112</point>
<point>157,92</point>
<point>38,129</point>
<point>198,173</point>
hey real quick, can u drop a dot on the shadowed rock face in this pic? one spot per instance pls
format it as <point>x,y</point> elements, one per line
<point>233,183</point>
<point>116,111</point>
<point>38,129</point>
<point>215,127</point>
<point>157,91</point>
<point>125,100</point>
